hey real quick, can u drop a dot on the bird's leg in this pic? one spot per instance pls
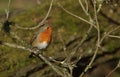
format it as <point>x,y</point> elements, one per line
<point>34,54</point>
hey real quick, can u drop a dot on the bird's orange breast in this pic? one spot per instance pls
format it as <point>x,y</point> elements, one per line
<point>45,36</point>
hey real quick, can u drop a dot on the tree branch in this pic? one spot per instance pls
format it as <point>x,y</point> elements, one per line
<point>40,23</point>
<point>36,53</point>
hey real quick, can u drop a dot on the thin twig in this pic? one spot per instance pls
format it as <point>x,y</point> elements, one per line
<point>98,42</point>
<point>90,20</point>
<point>86,12</point>
<point>17,46</point>
<point>77,16</point>
<point>118,65</point>
<point>84,38</point>
<point>87,8</point>
<point>108,33</point>
<point>97,23</point>
<point>7,11</point>
<point>99,2</point>
<point>114,29</point>
<point>41,23</point>
<point>89,65</point>
<point>113,36</point>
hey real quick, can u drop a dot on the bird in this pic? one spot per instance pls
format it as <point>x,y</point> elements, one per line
<point>43,38</point>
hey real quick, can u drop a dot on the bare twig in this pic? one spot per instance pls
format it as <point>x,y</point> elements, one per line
<point>89,65</point>
<point>77,16</point>
<point>84,38</point>
<point>90,20</point>
<point>108,33</point>
<point>7,11</point>
<point>98,41</point>
<point>97,23</point>
<point>41,23</point>
<point>99,2</point>
<point>113,36</point>
<point>87,8</point>
<point>118,65</point>
<point>86,12</point>
<point>17,46</point>
<point>114,29</point>
<point>68,58</point>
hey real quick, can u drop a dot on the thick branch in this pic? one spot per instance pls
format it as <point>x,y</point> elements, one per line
<point>35,52</point>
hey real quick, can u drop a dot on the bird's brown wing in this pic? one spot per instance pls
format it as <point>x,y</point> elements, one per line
<point>37,33</point>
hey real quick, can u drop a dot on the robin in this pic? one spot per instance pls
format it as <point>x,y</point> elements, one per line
<point>43,38</point>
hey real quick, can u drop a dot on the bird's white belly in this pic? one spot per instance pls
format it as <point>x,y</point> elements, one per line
<point>42,45</point>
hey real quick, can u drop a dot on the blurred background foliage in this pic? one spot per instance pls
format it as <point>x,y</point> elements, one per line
<point>28,13</point>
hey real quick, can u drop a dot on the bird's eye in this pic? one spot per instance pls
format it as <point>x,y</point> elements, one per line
<point>48,27</point>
